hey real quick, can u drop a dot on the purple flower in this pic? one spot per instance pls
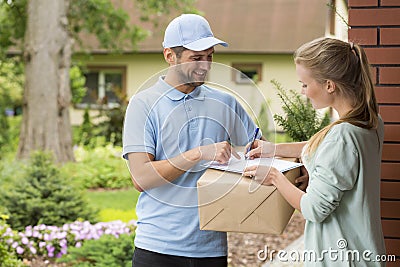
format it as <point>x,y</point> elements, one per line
<point>53,241</point>
<point>50,248</point>
<point>24,240</point>
<point>20,250</point>
<point>35,233</point>
<point>33,250</point>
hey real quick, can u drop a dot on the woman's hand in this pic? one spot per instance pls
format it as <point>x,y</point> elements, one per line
<point>302,181</point>
<point>265,175</point>
<point>261,149</point>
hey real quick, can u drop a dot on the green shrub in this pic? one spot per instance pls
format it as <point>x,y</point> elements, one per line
<point>43,195</point>
<point>7,258</point>
<point>101,167</point>
<point>301,121</point>
<point>106,251</point>
<point>10,170</point>
<point>111,126</point>
<point>77,82</point>
<point>13,133</point>
<point>86,129</point>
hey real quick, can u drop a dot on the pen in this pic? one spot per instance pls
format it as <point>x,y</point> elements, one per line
<point>254,139</point>
<point>230,142</point>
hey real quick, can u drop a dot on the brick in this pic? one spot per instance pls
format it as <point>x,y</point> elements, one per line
<point>392,133</point>
<point>392,248</point>
<point>368,36</point>
<point>391,263</point>
<point>390,113</point>
<point>390,36</point>
<point>390,190</point>
<point>391,152</point>
<point>391,228</point>
<point>390,3</point>
<point>387,95</point>
<point>374,17</point>
<point>390,209</point>
<point>390,171</point>
<point>389,75</point>
<point>383,55</point>
<point>359,3</point>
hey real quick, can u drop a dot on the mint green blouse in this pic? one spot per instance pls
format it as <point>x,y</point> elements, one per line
<point>342,202</point>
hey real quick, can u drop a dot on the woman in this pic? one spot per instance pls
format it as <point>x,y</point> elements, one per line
<point>341,204</point>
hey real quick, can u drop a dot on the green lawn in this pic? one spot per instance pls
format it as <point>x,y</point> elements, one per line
<point>114,204</point>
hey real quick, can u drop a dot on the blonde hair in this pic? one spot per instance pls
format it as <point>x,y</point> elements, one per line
<point>345,64</point>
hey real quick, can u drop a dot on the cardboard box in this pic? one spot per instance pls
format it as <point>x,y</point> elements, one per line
<point>229,202</point>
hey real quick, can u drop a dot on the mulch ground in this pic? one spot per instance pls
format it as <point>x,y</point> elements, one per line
<point>243,247</point>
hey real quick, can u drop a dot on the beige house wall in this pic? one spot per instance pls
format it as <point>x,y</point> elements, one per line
<point>141,67</point>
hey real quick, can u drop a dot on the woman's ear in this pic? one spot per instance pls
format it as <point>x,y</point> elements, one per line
<point>330,87</point>
<point>169,56</point>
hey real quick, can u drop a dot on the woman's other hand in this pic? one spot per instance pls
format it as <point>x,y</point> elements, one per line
<point>265,175</point>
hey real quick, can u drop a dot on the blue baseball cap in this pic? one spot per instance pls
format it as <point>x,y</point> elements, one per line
<point>192,32</point>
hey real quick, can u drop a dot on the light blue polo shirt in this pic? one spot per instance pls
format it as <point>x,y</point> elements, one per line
<point>165,122</point>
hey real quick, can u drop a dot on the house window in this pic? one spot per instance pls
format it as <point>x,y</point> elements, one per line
<point>105,87</point>
<point>246,72</point>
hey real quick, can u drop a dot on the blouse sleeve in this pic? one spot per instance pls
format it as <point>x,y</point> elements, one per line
<point>336,171</point>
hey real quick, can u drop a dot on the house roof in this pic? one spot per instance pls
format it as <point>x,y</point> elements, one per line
<point>249,26</point>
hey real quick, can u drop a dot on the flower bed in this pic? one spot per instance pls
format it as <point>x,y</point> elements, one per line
<point>53,242</point>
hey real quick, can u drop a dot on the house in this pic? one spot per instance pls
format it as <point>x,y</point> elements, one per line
<point>262,36</point>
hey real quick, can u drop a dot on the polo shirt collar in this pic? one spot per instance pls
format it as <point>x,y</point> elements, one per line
<point>176,95</point>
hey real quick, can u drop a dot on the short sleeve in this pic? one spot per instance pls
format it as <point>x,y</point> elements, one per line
<point>336,171</point>
<point>139,134</point>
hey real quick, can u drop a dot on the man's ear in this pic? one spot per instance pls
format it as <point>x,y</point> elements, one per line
<point>169,56</point>
<point>330,86</point>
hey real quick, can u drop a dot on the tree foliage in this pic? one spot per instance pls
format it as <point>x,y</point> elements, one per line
<point>151,9</point>
<point>301,120</point>
<point>105,20</point>
<point>12,82</point>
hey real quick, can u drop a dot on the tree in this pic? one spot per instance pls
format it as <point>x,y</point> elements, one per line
<point>45,31</point>
<point>47,96</point>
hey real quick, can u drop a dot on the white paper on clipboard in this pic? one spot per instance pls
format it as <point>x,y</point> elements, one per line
<point>238,165</point>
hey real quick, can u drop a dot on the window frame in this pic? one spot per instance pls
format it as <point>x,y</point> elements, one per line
<point>238,67</point>
<point>104,68</point>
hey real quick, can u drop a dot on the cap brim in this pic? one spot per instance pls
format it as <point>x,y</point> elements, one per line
<point>204,44</point>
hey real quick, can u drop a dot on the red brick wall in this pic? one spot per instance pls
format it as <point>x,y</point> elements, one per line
<point>375,24</point>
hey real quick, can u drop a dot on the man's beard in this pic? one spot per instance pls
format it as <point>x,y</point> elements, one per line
<point>188,79</point>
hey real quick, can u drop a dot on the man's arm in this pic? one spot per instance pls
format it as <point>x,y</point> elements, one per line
<point>147,173</point>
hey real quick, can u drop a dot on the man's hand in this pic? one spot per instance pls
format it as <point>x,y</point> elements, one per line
<point>220,152</point>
